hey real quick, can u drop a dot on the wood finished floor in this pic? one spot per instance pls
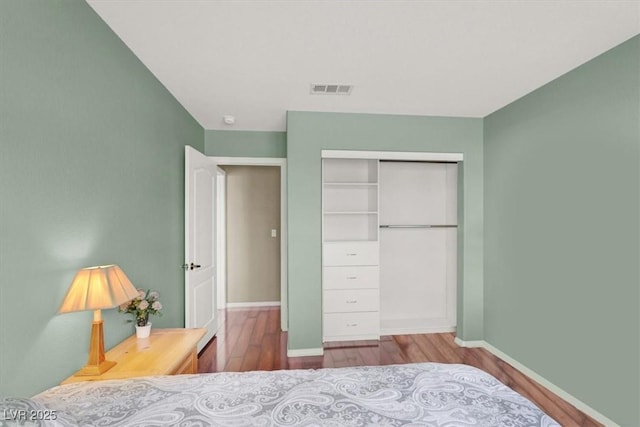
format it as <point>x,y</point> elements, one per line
<point>250,339</point>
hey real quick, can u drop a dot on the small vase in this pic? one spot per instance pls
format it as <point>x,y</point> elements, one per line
<point>143,331</point>
<point>142,319</point>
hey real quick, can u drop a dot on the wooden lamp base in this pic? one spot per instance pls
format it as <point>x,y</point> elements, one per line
<point>96,365</point>
<point>99,369</point>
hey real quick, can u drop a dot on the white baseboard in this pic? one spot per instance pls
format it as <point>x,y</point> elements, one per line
<point>469,344</point>
<point>416,330</point>
<point>304,352</point>
<point>253,304</point>
<point>539,379</point>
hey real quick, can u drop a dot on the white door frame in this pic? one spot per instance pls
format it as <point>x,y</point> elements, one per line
<point>282,164</point>
<point>221,238</point>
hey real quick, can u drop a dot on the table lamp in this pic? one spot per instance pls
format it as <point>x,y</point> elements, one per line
<point>95,288</point>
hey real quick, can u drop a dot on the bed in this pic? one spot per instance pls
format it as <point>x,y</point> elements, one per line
<point>425,394</point>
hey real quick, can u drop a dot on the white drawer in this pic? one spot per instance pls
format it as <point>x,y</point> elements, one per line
<point>351,325</point>
<point>350,253</point>
<point>351,277</point>
<point>350,300</point>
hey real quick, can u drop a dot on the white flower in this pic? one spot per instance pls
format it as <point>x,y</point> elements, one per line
<point>144,304</point>
<point>154,295</point>
<point>156,306</point>
<point>141,294</point>
<point>123,307</point>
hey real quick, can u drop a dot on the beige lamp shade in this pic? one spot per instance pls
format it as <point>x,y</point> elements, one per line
<point>99,287</point>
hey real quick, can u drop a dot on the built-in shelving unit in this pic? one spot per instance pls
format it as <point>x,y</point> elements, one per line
<point>350,249</point>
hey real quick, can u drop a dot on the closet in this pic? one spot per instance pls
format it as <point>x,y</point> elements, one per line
<point>418,236</point>
<point>389,247</point>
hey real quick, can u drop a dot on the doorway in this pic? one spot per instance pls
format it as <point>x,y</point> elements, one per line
<point>253,230</point>
<point>251,227</point>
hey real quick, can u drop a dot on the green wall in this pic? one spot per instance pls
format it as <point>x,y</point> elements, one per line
<point>562,230</point>
<point>91,172</point>
<point>238,143</point>
<point>308,134</point>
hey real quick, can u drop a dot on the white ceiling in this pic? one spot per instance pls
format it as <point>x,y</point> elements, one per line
<point>256,59</point>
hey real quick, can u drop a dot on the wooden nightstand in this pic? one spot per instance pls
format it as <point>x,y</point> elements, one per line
<point>165,352</point>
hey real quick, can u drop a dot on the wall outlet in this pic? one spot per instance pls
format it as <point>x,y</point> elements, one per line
<point>274,232</point>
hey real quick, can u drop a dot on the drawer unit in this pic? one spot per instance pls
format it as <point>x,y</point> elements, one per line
<point>351,300</point>
<point>350,253</point>
<point>351,277</point>
<point>351,326</point>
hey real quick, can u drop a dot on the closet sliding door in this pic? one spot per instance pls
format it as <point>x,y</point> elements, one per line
<point>418,235</point>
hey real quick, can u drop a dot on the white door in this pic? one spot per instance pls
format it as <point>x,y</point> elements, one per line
<point>200,287</point>
<point>418,219</point>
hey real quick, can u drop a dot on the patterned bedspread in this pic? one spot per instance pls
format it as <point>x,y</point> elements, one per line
<point>421,394</point>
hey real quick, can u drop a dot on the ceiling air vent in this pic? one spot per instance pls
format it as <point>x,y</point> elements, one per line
<point>330,89</point>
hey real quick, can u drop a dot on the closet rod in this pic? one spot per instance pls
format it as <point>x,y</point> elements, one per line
<point>453,162</point>
<point>418,226</point>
